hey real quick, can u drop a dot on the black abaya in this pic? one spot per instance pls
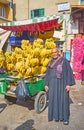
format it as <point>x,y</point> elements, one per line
<point>58,108</point>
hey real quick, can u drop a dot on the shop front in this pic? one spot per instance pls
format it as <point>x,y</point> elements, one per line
<point>77,14</point>
<point>77,43</point>
<point>77,55</point>
<point>32,29</point>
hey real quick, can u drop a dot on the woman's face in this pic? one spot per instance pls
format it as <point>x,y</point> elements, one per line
<point>55,53</point>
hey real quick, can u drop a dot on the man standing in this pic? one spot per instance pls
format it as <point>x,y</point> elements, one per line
<point>58,81</point>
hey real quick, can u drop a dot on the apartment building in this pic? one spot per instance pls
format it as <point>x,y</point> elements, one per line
<point>29,9</point>
<point>6,15</point>
<point>26,9</point>
<point>5,11</point>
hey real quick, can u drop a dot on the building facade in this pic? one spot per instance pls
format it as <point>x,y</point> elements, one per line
<point>5,11</point>
<point>27,9</point>
<point>6,15</point>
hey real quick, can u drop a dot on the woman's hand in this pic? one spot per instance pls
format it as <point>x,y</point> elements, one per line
<point>68,88</point>
<point>46,88</point>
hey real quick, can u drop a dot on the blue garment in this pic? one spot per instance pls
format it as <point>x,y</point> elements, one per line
<point>58,107</point>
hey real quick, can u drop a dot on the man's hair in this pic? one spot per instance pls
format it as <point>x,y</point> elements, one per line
<point>55,48</point>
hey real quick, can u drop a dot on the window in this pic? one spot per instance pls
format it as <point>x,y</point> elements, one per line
<point>37,13</point>
<point>2,12</point>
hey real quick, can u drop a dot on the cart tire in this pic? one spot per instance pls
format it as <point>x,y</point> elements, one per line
<point>9,100</point>
<point>40,102</point>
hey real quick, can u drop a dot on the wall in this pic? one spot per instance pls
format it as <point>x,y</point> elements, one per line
<point>21,9</point>
<point>24,7</point>
<point>8,12</point>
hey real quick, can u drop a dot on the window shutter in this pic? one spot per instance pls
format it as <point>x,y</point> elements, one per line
<point>41,12</point>
<point>32,13</point>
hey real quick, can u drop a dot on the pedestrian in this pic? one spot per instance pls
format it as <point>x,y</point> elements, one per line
<point>58,81</point>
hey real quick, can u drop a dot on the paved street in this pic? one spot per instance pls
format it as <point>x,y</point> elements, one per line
<point>23,117</point>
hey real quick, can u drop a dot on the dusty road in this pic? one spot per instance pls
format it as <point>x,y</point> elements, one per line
<point>21,116</point>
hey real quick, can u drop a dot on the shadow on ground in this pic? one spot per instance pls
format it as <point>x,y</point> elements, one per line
<point>70,100</point>
<point>29,102</point>
<point>2,106</point>
<point>26,103</point>
<point>28,125</point>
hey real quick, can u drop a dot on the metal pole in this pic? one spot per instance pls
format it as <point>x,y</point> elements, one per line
<point>12,10</point>
<point>28,9</point>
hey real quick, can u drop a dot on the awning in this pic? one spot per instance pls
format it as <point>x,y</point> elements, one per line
<point>77,6</point>
<point>3,37</point>
<point>36,24</point>
<point>77,12</point>
<point>2,31</point>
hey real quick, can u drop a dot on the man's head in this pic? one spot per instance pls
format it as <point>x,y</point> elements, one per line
<point>55,53</point>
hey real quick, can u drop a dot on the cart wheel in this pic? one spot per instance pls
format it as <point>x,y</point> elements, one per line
<point>40,101</point>
<point>10,100</point>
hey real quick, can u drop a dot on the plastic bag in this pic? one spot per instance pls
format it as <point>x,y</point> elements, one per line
<point>2,71</point>
<point>21,90</point>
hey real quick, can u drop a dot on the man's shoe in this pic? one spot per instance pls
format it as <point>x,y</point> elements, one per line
<point>66,122</point>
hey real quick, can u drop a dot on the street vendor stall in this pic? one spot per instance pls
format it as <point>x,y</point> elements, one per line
<point>36,24</point>
<point>77,54</point>
<point>28,62</point>
<point>36,27</point>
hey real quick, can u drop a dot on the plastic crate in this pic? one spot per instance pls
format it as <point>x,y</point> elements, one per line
<point>34,88</point>
<point>3,86</point>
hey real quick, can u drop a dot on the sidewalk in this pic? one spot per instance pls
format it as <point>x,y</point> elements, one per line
<point>21,118</point>
<point>77,107</point>
<point>76,112</point>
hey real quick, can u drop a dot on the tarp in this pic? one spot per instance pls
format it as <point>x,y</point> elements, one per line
<point>36,24</point>
<point>3,37</point>
<point>33,27</point>
<point>17,37</point>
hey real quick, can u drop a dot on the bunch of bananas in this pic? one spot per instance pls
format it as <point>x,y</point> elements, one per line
<point>49,44</point>
<point>43,70</point>
<point>8,57</point>
<point>38,43</point>
<point>10,67</point>
<point>34,62</point>
<point>30,59</point>
<point>36,52</point>
<point>24,44</point>
<point>45,62</point>
<point>2,59</point>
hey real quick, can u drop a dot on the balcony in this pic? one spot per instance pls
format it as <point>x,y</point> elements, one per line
<point>5,1</point>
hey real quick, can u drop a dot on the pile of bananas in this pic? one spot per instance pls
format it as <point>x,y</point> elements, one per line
<point>2,59</point>
<point>49,44</point>
<point>30,59</point>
